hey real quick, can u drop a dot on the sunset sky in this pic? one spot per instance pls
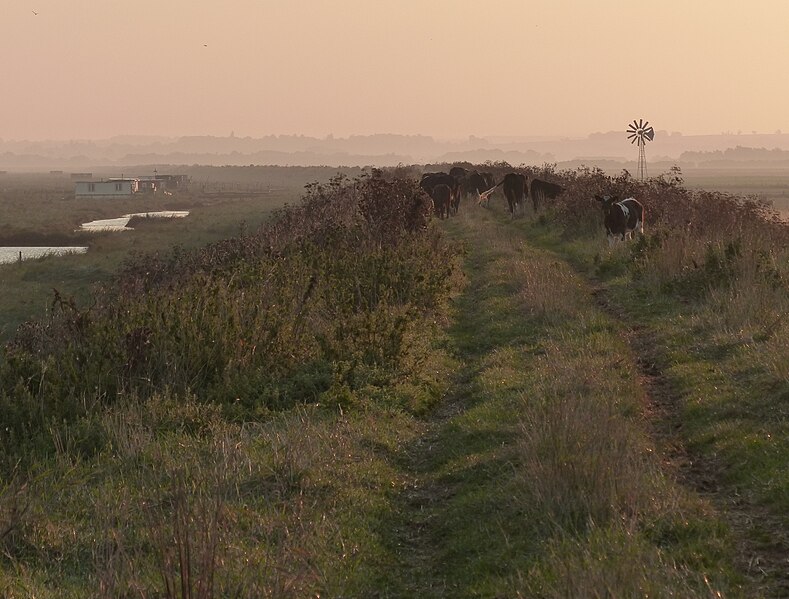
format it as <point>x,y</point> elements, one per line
<point>96,68</point>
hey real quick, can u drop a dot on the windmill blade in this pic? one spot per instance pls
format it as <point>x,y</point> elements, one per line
<point>640,123</point>
<point>635,124</point>
<point>646,125</point>
<point>632,136</point>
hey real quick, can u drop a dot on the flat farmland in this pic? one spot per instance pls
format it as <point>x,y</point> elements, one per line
<point>38,212</point>
<point>768,184</point>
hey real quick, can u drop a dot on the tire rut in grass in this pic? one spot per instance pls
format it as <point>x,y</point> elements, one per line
<point>764,562</point>
<point>422,502</point>
<point>422,530</point>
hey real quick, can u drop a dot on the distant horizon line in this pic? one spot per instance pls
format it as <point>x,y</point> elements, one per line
<point>330,136</point>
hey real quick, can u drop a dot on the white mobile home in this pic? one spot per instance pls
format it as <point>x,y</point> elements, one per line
<point>108,188</point>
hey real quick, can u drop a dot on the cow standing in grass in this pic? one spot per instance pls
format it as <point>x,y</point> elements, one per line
<point>442,199</point>
<point>540,190</point>
<point>474,184</point>
<point>459,174</point>
<point>621,218</point>
<point>516,189</point>
<point>429,182</point>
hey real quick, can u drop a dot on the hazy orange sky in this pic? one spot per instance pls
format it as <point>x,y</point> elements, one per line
<point>96,68</point>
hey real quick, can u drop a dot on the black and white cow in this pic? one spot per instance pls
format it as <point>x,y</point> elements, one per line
<point>621,218</point>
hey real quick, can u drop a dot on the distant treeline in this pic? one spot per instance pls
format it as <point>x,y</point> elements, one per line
<point>275,176</point>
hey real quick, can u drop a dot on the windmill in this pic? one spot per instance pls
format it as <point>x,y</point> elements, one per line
<point>640,132</point>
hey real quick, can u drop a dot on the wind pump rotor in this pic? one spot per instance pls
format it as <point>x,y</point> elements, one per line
<point>640,132</point>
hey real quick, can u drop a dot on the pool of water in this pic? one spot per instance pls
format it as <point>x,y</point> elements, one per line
<point>121,223</point>
<point>11,254</point>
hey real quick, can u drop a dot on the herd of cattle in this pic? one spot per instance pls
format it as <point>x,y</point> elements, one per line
<point>620,218</point>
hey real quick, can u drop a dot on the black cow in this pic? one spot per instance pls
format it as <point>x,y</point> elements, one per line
<point>474,184</point>
<point>430,180</point>
<point>460,174</point>
<point>543,189</point>
<point>442,199</point>
<point>621,218</point>
<point>515,190</point>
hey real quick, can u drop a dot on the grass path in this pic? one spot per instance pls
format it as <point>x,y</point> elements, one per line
<point>535,476</point>
<point>460,449</point>
<point>691,395</point>
<point>762,552</point>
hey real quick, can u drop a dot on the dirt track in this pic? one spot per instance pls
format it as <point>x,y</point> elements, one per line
<point>764,562</point>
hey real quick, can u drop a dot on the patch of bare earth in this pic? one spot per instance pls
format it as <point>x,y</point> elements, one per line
<point>762,546</point>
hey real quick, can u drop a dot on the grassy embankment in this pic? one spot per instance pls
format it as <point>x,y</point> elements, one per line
<point>233,400</point>
<point>320,459</point>
<point>537,477</point>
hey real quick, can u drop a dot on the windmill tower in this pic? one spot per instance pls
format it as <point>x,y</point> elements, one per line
<point>640,132</point>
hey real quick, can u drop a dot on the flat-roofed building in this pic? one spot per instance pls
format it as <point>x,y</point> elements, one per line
<point>108,188</point>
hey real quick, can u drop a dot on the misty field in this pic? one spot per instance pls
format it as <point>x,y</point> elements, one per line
<point>346,398</point>
<point>771,185</point>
